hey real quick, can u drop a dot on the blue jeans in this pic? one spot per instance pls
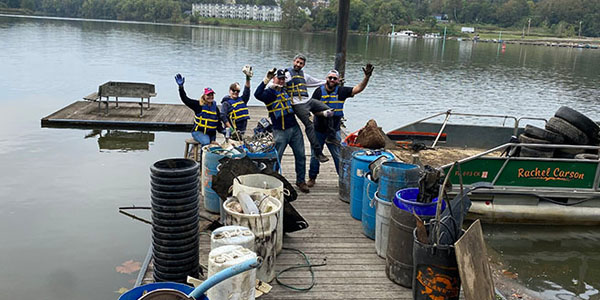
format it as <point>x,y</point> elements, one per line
<point>293,137</point>
<point>313,171</point>
<point>203,139</point>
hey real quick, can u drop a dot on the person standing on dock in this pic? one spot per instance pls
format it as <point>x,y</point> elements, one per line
<point>334,96</point>
<point>234,109</point>
<point>286,130</point>
<point>296,84</point>
<point>206,119</point>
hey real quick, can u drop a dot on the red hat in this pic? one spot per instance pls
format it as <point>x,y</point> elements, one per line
<point>208,91</point>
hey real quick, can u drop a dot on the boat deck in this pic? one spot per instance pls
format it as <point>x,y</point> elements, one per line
<point>352,271</point>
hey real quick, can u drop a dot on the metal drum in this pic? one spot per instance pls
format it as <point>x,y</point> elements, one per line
<point>344,178</point>
<point>358,168</point>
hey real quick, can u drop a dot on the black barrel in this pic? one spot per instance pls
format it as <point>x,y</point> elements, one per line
<point>435,271</point>
<point>345,170</point>
<point>399,260</point>
<point>175,240</point>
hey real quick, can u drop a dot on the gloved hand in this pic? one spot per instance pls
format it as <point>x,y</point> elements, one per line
<point>368,69</point>
<point>179,79</point>
<point>270,75</point>
<point>247,69</point>
<point>228,131</point>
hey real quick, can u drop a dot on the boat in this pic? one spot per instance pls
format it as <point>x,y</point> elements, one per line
<point>403,34</point>
<point>525,190</point>
<point>434,35</point>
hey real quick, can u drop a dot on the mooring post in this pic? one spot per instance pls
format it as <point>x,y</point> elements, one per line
<point>342,36</point>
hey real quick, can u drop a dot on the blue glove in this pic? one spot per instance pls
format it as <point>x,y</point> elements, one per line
<point>179,79</point>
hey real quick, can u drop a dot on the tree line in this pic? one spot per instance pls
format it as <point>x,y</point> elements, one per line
<point>563,17</point>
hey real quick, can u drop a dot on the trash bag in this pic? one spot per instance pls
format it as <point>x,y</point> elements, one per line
<point>429,184</point>
<point>233,167</point>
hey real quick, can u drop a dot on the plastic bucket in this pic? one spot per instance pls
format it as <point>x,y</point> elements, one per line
<point>368,207</point>
<point>358,168</point>
<point>265,229</point>
<point>436,273</point>
<point>405,199</point>
<point>210,160</point>
<point>268,158</point>
<point>268,185</point>
<point>382,224</point>
<point>138,292</point>
<point>345,165</point>
<point>396,176</point>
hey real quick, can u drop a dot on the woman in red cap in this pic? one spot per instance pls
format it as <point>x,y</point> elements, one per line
<point>206,119</point>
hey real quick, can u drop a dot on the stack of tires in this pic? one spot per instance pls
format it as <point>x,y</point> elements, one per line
<point>175,219</point>
<point>568,126</point>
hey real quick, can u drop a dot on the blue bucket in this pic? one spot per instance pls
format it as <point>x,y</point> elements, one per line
<point>368,207</point>
<point>396,176</point>
<point>138,292</point>
<point>406,199</point>
<point>269,158</point>
<point>359,167</point>
<point>212,202</point>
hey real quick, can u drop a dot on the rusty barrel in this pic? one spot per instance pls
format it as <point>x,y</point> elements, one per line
<point>345,165</point>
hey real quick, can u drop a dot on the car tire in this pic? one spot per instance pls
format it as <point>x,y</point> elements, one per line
<point>579,120</point>
<point>543,134</point>
<point>568,130</point>
<point>530,152</point>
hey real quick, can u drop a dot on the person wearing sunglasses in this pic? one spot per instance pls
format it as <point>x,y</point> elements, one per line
<point>234,109</point>
<point>327,130</point>
<point>286,130</point>
<point>206,113</point>
<point>296,84</point>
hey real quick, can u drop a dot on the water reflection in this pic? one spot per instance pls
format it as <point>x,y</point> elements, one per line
<point>562,262</point>
<point>122,141</point>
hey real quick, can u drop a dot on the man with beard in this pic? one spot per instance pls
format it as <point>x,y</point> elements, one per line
<point>285,127</point>
<point>326,129</point>
<point>296,84</point>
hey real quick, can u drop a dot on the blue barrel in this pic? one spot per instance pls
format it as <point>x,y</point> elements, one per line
<point>269,158</point>
<point>210,160</point>
<point>346,153</point>
<point>406,199</point>
<point>138,292</point>
<point>395,176</point>
<point>368,207</point>
<point>358,168</point>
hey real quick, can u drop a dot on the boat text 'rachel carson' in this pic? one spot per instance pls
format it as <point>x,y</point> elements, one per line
<point>549,174</point>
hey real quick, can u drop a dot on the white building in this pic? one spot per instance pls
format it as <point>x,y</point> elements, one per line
<point>238,11</point>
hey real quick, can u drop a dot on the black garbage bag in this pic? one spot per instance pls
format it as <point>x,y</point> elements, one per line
<point>429,184</point>
<point>230,168</point>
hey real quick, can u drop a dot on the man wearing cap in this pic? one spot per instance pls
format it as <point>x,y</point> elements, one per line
<point>334,96</point>
<point>285,127</point>
<point>296,84</point>
<point>206,119</point>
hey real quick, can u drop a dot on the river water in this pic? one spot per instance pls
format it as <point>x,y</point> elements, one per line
<point>61,234</point>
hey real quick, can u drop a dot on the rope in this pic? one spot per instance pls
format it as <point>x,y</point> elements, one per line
<point>308,265</point>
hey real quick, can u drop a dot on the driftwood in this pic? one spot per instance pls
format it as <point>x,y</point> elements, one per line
<point>371,136</point>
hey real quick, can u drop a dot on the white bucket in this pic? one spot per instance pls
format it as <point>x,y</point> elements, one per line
<point>238,287</point>
<point>232,235</point>
<point>265,229</point>
<point>267,185</point>
<point>382,225</point>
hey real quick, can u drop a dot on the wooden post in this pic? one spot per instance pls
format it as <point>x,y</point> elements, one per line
<point>342,36</point>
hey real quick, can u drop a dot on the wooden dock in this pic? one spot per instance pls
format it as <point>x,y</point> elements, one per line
<point>352,271</point>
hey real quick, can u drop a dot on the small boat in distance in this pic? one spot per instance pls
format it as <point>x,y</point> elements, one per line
<point>434,35</point>
<point>404,34</point>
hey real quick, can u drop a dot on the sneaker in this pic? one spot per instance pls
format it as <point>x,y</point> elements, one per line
<point>333,141</point>
<point>322,158</point>
<point>303,187</point>
<point>311,182</point>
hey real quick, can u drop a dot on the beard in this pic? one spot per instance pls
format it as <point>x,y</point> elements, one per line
<point>331,86</point>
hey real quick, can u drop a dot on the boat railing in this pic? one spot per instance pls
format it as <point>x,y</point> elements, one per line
<point>508,158</point>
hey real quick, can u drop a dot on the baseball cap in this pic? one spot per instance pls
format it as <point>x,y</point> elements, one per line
<point>208,91</point>
<point>281,73</point>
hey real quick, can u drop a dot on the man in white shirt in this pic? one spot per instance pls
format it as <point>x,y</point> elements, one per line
<point>297,83</point>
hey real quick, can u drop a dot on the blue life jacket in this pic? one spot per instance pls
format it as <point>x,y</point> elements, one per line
<point>280,107</point>
<point>297,86</point>
<point>332,101</point>
<point>237,111</point>
<point>207,119</point>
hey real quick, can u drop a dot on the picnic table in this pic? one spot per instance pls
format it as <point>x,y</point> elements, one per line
<point>118,89</point>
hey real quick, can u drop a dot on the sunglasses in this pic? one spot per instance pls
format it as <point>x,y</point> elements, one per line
<point>235,91</point>
<point>332,78</point>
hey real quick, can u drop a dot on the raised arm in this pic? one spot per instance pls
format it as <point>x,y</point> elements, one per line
<point>191,103</point>
<point>368,70</point>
